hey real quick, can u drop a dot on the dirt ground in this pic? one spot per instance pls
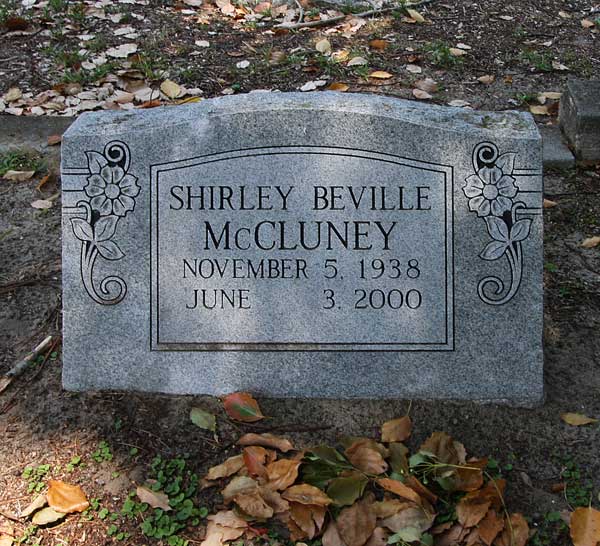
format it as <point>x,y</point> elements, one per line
<point>515,42</point>
<point>41,424</point>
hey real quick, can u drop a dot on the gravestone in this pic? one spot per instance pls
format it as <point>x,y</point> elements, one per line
<point>304,245</point>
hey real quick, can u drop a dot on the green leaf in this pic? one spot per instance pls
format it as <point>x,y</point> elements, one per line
<point>347,490</point>
<point>319,473</point>
<point>47,515</point>
<point>329,455</point>
<point>408,534</point>
<point>203,419</point>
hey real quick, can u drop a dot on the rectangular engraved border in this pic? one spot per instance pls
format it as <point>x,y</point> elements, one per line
<point>448,172</point>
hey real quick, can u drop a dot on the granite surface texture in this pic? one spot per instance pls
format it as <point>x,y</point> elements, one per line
<point>304,245</point>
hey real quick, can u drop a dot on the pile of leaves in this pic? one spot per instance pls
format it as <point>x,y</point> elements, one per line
<point>364,491</point>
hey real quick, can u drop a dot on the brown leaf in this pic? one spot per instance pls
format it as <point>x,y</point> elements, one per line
<point>223,527</point>
<point>149,104</point>
<point>253,504</point>
<point>5,382</point>
<point>356,523</point>
<point>452,537</point>
<point>578,419</point>
<point>309,518</point>
<point>238,486</point>
<point>519,530</point>
<point>396,430</point>
<point>398,488</point>
<point>266,440</point>
<point>255,458</point>
<point>378,44</point>
<point>16,23</point>
<point>421,95</point>
<point>332,537</point>
<point>585,527</point>
<point>226,468</point>
<point>366,456</point>
<point>274,500</point>
<point>156,499</point>
<point>388,507</point>
<point>66,498</point>
<point>428,85</point>
<point>445,449</point>
<point>378,538</point>
<point>419,488</point>
<point>241,406</point>
<point>306,494</point>
<point>590,242</point>
<point>338,86</point>
<point>471,511</point>
<point>282,474</point>
<point>53,140</point>
<point>548,204</point>
<point>411,515</point>
<point>415,15</point>
<point>380,75</point>
<point>487,79</point>
<point>489,527</point>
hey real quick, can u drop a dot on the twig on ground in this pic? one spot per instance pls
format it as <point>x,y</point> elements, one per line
<point>9,516</point>
<point>21,366</point>
<point>300,12</point>
<point>323,22</point>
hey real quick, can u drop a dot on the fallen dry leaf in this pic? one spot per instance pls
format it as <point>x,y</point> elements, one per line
<point>255,458</point>
<point>266,440</point>
<point>42,204</point>
<point>223,527</point>
<point>66,498</point>
<point>282,474</point>
<point>336,86</point>
<point>53,140</point>
<point>225,469</point>
<point>39,502</point>
<point>487,79</point>
<point>578,419</point>
<point>241,406</point>
<point>456,52</point>
<point>379,74</point>
<point>170,89</point>
<point>13,94</point>
<point>364,455</point>
<point>539,110</point>
<point>590,242</point>
<point>585,527</point>
<point>414,68</point>
<point>398,430</point>
<point>518,528</point>
<point>471,511</point>
<point>332,537</point>
<point>47,515</point>
<point>548,204</point>
<point>428,85</point>
<point>398,488</point>
<point>238,486</point>
<point>356,523</point>
<point>586,23</point>
<point>445,449</point>
<point>409,515</point>
<point>415,15</point>
<point>4,383</point>
<point>378,44</point>
<point>253,504</point>
<point>306,494</point>
<point>155,499</point>
<point>490,526</point>
<point>357,61</point>
<point>18,176</point>
<point>323,46</point>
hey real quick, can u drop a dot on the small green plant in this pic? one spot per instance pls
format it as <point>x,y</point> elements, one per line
<point>74,462</point>
<point>537,60</point>
<point>8,8</point>
<point>103,453</point>
<point>27,536</point>
<point>552,268</point>
<point>20,160</point>
<point>578,491</point>
<point>34,476</point>
<point>180,484</point>
<point>440,55</point>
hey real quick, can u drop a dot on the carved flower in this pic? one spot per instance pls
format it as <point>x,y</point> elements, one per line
<point>490,191</point>
<point>112,191</point>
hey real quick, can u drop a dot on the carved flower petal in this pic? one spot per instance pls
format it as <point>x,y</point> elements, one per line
<point>506,186</point>
<point>118,208</point>
<point>473,187</point>
<point>106,174</point>
<point>126,202</point>
<point>475,203</point>
<point>117,174</point>
<point>484,208</point>
<point>128,185</point>
<point>500,205</point>
<point>98,201</point>
<point>490,174</point>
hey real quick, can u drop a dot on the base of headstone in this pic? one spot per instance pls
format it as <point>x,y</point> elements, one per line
<point>580,118</point>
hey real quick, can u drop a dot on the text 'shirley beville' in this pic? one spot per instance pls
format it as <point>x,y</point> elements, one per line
<point>307,235</point>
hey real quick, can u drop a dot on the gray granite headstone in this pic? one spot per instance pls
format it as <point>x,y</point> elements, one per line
<point>318,245</point>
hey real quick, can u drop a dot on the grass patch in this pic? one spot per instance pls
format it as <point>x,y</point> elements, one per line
<point>20,160</point>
